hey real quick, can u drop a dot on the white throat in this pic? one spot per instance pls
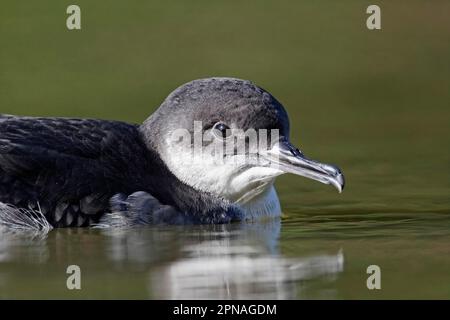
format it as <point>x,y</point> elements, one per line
<point>249,187</point>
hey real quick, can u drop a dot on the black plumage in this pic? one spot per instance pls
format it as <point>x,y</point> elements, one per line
<point>71,168</point>
<point>77,170</point>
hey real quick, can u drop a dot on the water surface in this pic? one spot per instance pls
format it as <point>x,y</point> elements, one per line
<point>374,103</point>
<point>310,256</point>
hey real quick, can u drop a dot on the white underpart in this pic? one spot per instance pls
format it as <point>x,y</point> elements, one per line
<point>235,179</point>
<point>20,219</point>
<point>265,205</point>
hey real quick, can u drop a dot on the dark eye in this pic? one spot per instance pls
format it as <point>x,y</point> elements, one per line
<point>221,130</point>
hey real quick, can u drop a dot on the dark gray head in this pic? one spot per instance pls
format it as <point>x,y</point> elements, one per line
<point>223,111</point>
<point>231,101</point>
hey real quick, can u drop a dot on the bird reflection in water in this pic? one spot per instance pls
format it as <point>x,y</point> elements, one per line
<point>231,261</point>
<point>239,261</point>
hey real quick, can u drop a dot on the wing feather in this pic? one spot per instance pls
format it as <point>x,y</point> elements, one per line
<point>71,167</point>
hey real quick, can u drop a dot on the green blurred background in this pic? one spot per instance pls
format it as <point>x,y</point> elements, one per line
<point>362,97</point>
<point>377,103</point>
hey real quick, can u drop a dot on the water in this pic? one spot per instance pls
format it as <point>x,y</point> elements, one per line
<point>310,256</point>
<point>374,103</point>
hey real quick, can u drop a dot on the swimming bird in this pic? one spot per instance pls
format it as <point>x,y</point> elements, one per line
<point>84,172</point>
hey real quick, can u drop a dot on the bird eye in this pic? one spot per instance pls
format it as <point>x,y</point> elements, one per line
<point>221,130</point>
